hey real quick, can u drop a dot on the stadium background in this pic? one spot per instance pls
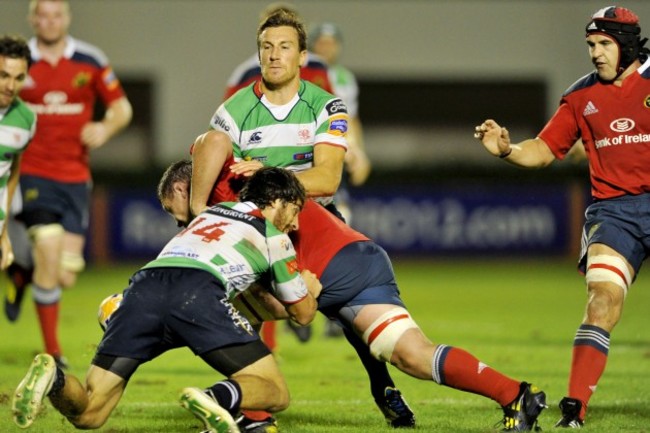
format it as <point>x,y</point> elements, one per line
<point>429,71</point>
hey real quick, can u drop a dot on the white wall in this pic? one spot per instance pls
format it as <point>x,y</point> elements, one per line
<point>190,46</point>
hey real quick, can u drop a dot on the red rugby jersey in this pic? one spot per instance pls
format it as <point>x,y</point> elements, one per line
<point>63,96</point>
<point>614,124</point>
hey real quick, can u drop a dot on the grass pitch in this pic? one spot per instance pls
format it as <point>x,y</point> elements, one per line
<point>517,316</point>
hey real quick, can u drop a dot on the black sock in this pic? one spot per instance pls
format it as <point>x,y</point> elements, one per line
<point>59,381</point>
<point>377,370</point>
<point>227,393</point>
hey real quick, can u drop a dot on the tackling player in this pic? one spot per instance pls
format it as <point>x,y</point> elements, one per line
<point>360,292</point>
<point>608,110</point>
<point>182,298</point>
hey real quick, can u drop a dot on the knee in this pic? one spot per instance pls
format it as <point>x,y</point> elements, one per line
<point>281,398</point>
<point>88,421</point>
<point>604,305</point>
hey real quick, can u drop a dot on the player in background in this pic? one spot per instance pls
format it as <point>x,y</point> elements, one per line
<point>65,80</point>
<point>326,41</point>
<point>359,291</point>
<point>223,252</point>
<point>608,110</point>
<point>17,125</point>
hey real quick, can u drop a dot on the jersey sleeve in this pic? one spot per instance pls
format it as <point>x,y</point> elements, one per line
<point>332,124</point>
<point>108,86</point>
<point>562,131</point>
<point>224,122</point>
<point>288,285</point>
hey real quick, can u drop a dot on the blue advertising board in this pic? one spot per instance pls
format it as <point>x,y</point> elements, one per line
<point>466,220</point>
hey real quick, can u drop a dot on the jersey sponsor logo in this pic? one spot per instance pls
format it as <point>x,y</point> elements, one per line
<point>338,125</point>
<point>646,102</point>
<point>221,123</point>
<point>237,319</point>
<point>255,138</point>
<point>55,102</point>
<point>336,107</point>
<point>622,125</point>
<point>590,108</point>
<point>180,251</point>
<point>81,79</point>
<point>308,156</point>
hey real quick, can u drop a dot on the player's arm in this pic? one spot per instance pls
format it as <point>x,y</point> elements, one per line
<point>531,153</point>
<point>356,161</point>
<point>209,154</point>
<point>7,254</point>
<point>118,115</point>
<point>324,177</point>
<point>304,311</point>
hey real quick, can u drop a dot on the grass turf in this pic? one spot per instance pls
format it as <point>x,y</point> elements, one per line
<point>517,316</point>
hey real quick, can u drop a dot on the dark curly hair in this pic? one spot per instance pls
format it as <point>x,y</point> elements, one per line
<point>15,47</point>
<point>271,183</point>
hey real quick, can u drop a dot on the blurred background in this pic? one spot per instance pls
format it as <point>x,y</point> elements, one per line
<point>428,70</point>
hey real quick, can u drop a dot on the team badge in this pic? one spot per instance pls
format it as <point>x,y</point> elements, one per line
<point>81,79</point>
<point>110,80</point>
<point>646,102</point>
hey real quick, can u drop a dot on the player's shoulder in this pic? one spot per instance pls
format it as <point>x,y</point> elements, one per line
<point>319,98</point>
<point>644,69</point>
<point>314,61</point>
<point>242,101</point>
<point>249,68</point>
<point>86,52</point>
<point>584,82</point>
<point>22,114</point>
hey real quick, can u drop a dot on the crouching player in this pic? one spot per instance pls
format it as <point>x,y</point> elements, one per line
<point>359,290</point>
<point>182,298</point>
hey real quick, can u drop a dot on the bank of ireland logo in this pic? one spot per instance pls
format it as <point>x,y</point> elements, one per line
<point>622,125</point>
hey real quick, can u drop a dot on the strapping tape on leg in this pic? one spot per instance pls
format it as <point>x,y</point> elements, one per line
<point>72,262</point>
<point>42,231</point>
<point>384,333</point>
<point>606,268</point>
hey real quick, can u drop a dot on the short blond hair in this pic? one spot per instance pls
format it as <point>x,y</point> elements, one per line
<point>33,4</point>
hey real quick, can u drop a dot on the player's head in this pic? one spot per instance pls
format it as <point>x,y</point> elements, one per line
<point>326,40</point>
<point>279,195</point>
<point>621,25</point>
<point>281,47</point>
<point>174,191</point>
<point>15,59</point>
<point>272,8</point>
<point>50,19</point>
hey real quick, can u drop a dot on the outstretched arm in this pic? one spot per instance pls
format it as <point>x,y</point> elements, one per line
<point>531,153</point>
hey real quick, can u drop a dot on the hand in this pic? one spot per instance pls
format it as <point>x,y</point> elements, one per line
<point>495,138</point>
<point>94,134</point>
<point>313,285</point>
<point>6,253</point>
<point>246,168</point>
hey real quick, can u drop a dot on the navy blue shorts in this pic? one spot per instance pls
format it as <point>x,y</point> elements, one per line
<point>621,223</point>
<point>166,308</point>
<point>359,274</point>
<point>46,202</point>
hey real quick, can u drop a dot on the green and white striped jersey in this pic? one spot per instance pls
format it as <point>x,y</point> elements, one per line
<point>282,135</point>
<point>236,244</point>
<point>17,126</point>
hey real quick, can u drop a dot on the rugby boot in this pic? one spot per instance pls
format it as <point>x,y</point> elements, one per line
<point>397,412</point>
<point>215,418</point>
<point>32,390</point>
<point>19,278</point>
<point>247,425</point>
<point>522,413</point>
<point>570,408</point>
